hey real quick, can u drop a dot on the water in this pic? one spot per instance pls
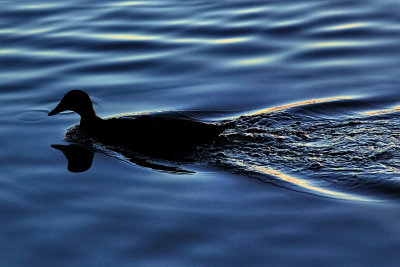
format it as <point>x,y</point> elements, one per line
<point>307,174</point>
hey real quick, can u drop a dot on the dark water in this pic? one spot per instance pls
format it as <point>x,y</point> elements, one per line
<point>307,174</point>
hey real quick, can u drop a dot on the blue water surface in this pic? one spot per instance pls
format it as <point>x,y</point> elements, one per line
<point>308,174</point>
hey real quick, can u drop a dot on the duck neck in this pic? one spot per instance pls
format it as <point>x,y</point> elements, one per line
<point>90,120</point>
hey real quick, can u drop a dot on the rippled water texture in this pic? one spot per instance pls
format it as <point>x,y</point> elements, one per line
<point>335,157</point>
<point>311,93</point>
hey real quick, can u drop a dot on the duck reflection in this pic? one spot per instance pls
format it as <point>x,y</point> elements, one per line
<point>80,159</point>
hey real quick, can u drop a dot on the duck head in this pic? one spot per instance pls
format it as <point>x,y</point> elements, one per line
<point>77,101</point>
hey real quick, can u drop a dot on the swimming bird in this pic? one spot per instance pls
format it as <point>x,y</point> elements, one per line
<point>141,133</point>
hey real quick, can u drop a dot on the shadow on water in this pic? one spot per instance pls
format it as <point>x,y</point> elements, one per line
<point>334,147</point>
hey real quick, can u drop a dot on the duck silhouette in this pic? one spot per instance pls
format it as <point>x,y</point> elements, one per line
<point>146,133</point>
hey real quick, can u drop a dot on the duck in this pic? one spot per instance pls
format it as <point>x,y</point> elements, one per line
<point>139,133</point>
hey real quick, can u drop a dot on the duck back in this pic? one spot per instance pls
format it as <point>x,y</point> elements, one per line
<point>152,133</point>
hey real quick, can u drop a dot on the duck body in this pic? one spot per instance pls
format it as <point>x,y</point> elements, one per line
<point>142,133</point>
<point>152,132</point>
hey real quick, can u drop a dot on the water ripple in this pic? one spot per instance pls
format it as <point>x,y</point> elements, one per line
<point>317,80</point>
<point>239,35</point>
<point>235,55</point>
<point>350,157</point>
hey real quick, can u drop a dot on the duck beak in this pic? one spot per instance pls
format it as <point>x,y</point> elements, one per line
<point>56,110</point>
<point>58,147</point>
